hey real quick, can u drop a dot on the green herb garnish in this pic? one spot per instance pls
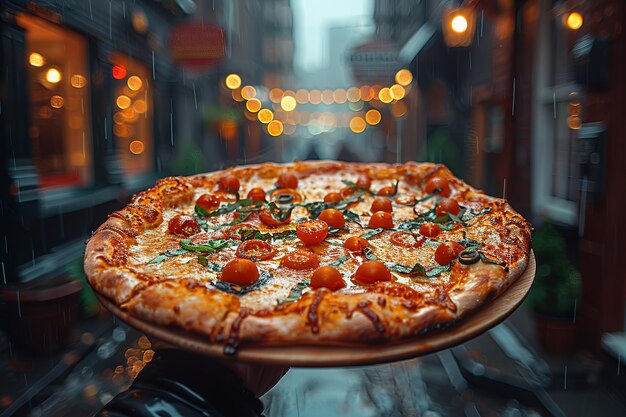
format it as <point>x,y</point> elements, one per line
<point>371,233</point>
<point>209,246</point>
<point>296,292</point>
<point>339,261</point>
<point>168,254</point>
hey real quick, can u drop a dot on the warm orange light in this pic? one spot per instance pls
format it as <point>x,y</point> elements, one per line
<point>265,115</point>
<point>302,96</point>
<point>36,60</point>
<point>118,72</point>
<point>228,129</point>
<point>384,95</point>
<point>253,105</point>
<point>353,94</point>
<point>276,94</point>
<point>399,109</point>
<point>78,81</point>
<point>327,96</point>
<point>130,114</point>
<point>340,96</point>
<point>119,118</point>
<point>236,94</point>
<point>136,147</point>
<point>459,24</point>
<point>315,97</point>
<point>404,77</point>
<point>288,103</point>
<point>366,93</point>
<point>357,124</point>
<point>275,128</point>
<point>373,117</point>
<point>56,102</point>
<point>134,83</point>
<point>53,75</point>
<point>140,106</point>
<point>248,92</point>
<point>574,21</point>
<point>397,91</point>
<point>232,81</point>
<point>574,122</point>
<point>123,102</point>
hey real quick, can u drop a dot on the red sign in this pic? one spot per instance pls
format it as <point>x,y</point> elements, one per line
<point>197,46</point>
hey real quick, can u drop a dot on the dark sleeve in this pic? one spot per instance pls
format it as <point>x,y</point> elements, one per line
<point>178,383</point>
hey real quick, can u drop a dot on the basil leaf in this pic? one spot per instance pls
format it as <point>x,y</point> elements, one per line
<point>442,219</point>
<point>316,208</point>
<point>356,187</point>
<point>446,227</point>
<point>352,216</point>
<point>209,246</point>
<point>204,261</point>
<point>488,260</point>
<point>410,224</point>
<point>224,286</point>
<point>368,252</point>
<point>438,270</point>
<point>471,214</point>
<point>296,292</point>
<point>425,198</point>
<point>351,199</point>
<point>339,261</point>
<point>371,233</point>
<point>403,269</point>
<point>285,234</point>
<point>200,211</point>
<point>168,254</point>
<point>201,221</point>
<point>418,269</point>
<point>279,214</point>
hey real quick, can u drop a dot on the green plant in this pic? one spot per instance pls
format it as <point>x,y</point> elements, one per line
<point>557,286</point>
<point>89,304</point>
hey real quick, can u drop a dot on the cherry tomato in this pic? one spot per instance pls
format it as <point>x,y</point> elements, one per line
<point>240,271</point>
<point>439,186</point>
<point>256,250</point>
<point>268,220</point>
<point>347,192</point>
<point>381,219</point>
<point>364,182</point>
<point>300,260</point>
<point>381,204</point>
<point>287,180</point>
<point>447,252</point>
<point>429,229</point>
<point>371,272</point>
<point>387,191</point>
<point>183,225</point>
<point>406,240</point>
<point>208,202</point>
<point>332,198</point>
<point>355,244</point>
<point>256,194</point>
<point>286,196</point>
<point>447,205</point>
<point>327,277</point>
<point>229,183</point>
<point>333,218</point>
<point>312,232</point>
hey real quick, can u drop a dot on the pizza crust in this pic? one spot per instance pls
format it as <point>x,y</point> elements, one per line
<point>384,312</point>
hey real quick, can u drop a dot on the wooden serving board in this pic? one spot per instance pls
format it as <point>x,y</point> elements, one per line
<point>470,326</point>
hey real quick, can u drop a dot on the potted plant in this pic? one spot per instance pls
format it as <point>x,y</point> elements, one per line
<point>555,293</point>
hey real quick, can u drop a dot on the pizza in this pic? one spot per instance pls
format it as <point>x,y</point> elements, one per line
<point>308,253</point>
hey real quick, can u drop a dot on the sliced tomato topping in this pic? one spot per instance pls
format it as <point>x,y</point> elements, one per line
<point>240,271</point>
<point>183,225</point>
<point>332,198</point>
<point>268,220</point>
<point>429,229</point>
<point>256,194</point>
<point>381,204</point>
<point>229,183</point>
<point>284,196</point>
<point>406,240</point>
<point>355,244</point>
<point>327,277</point>
<point>387,191</point>
<point>300,260</point>
<point>347,192</point>
<point>439,186</point>
<point>448,205</point>
<point>364,182</point>
<point>232,232</point>
<point>287,180</point>
<point>256,250</point>
<point>371,272</point>
<point>312,232</point>
<point>208,202</point>
<point>381,219</point>
<point>447,252</point>
<point>333,218</point>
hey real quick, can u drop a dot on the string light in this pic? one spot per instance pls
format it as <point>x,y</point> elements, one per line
<point>288,103</point>
<point>134,83</point>
<point>248,92</point>
<point>253,105</point>
<point>373,117</point>
<point>404,77</point>
<point>459,24</point>
<point>53,75</point>
<point>275,128</point>
<point>384,95</point>
<point>233,81</point>
<point>136,147</point>
<point>397,92</point>
<point>36,60</point>
<point>265,115</point>
<point>357,124</point>
<point>574,21</point>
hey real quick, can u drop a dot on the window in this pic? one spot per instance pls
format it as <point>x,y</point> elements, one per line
<point>58,93</point>
<point>555,192</point>
<point>132,117</point>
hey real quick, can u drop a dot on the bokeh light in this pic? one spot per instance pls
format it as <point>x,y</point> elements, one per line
<point>327,96</point>
<point>275,128</point>
<point>302,96</point>
<point>397,92</point>
<point>265,116</point>
<point>276,94</point>
<point>399,109</point>
<point>574,21</point>
<point>353,94</point>
<point>136,147</point>
<point>373,117</point>
<point>140,106</point>
<point>253,105</point>
<point>236,94</point>
<point>53,75</point>
<point>56,102</point>
<point>36,60</point>
<point>357,124</point>
<point>78,81</point>
<point>288,103</point>
<point>340,96</point>
<point>366,93</point>
<point>248,92</point>
<point>404,77</point>
<point>459,24</point>
<point>118,72</point>
<point>134,83</point>
<point>384,95</point>
<point>123,102</point>
<point>315,97</point>
<point>233,81</point>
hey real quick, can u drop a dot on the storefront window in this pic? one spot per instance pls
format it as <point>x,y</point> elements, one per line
<point>132,117</point>
<point>58,92</point>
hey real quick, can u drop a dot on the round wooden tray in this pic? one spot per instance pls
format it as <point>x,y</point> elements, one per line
<point>470,326</point>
